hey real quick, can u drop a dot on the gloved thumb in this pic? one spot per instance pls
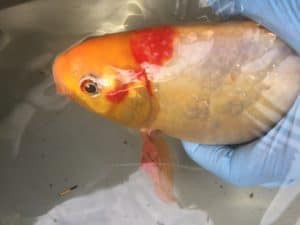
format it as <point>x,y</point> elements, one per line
<point>216,159</point>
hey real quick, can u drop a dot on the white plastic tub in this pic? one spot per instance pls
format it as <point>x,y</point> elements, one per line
<point>48,144</point>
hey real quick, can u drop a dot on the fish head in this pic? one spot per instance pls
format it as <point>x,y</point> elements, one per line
<point>102,74</point>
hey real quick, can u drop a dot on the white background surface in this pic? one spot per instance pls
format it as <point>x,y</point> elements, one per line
<point>48,143</point>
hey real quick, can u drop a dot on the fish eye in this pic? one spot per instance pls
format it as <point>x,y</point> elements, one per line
<point>90,86</point>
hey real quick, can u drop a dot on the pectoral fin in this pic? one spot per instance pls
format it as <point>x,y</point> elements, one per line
<point>157,162</point>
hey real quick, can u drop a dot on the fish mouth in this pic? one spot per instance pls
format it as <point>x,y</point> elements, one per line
<point>57,74</point>
<point>61,90</point>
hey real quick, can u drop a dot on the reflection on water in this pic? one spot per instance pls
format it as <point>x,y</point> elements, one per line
<point>4,40</point>
<point>13,127</point>
<point>48,144</point>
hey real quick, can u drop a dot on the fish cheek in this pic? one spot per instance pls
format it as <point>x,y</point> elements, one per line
<point>95,104</point>
<point>101,106</point>
<point>141,108</point>
<point>135,110</point>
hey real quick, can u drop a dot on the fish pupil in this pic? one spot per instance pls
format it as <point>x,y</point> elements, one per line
<point>91,88</point>
<point>89,85</point>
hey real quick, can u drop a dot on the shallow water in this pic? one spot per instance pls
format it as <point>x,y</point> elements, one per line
<point>48,143</point>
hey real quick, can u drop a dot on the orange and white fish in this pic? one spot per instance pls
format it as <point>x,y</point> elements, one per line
<point>221,83</point>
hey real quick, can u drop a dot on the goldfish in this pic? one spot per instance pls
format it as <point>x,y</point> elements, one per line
<point>222,83</point>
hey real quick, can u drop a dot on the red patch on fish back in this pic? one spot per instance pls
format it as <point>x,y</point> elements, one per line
<point>118,95</point>
<point>153,45</point>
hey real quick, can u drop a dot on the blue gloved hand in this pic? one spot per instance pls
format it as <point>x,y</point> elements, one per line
<point>274,159</point>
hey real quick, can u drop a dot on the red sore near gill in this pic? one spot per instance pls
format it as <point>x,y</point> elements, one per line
<point>118,95</point>
<point>153,45</point>
<point>142,75</point>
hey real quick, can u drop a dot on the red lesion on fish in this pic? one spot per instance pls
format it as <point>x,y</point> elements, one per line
<point>153,45</point>
<point>142,75</point>
<point>118,94</point>
<point>121,91</point>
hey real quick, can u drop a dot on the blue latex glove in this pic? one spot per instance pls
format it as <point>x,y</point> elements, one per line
<point>274,159</point>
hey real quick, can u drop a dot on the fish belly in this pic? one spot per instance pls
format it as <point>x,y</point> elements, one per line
<point>225,84</point>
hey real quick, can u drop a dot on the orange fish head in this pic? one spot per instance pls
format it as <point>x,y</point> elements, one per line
<point>101,74</point>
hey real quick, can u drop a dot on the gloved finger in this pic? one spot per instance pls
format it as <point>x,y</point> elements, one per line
<point>223,8</point>
<point>242,166</point>
<point>216,159</point>
<point>272,185</point>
